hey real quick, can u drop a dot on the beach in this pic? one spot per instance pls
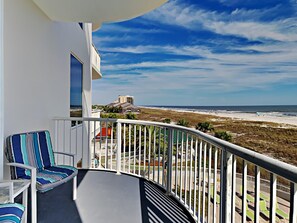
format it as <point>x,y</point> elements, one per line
<point>258,117</point>
<point>270,135</point>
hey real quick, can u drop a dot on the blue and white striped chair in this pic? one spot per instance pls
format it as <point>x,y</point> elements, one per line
<point>11,213</point>
<point>31,156</point>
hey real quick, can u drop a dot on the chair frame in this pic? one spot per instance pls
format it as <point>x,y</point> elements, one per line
<point>33,182</point>
<point>11,199</point>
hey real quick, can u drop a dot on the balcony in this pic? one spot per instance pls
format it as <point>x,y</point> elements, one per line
<point>95,11</point>
<point>106,197</point>
<point>96,60</point>
<point>131,170</point>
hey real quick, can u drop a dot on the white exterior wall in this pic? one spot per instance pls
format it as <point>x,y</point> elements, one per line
<point>1,91</point>
<point>37,67</point>
<point>37,72</point>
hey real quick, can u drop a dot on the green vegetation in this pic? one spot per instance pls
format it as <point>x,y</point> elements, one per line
<point>130,116</point>
<point>204,127</point>
<point>223,135</point>
<point>109,115</point>
<point>183,122</point>
<point>109,109</point>
<point>167,120</point>
<point>97,107</point>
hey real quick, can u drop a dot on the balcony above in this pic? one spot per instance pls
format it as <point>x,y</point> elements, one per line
<point>96,60</point>
<point>96,11</point>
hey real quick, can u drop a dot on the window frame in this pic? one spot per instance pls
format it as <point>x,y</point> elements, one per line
<point>82,82</point>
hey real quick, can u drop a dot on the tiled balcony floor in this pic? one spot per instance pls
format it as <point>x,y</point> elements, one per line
<point>106,197</point>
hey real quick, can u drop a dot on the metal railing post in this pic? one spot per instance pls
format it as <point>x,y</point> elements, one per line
<point>293,203</point>
<point>119,147</point>
<point>226,187</point>
<point>169,162</point>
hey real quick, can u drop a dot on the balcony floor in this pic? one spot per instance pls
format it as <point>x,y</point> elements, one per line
<point>106,197</point>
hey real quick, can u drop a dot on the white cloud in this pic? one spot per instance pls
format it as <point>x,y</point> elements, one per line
<point>243,23</point>
<point>273,62</point>
<point>165,49</point>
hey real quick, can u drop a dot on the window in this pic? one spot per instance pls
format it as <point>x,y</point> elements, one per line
<point>76,87</point>
<point>81,25</point>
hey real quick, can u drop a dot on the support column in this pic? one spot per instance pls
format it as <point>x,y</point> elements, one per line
<point>226,187</point>
<point>1,90</point>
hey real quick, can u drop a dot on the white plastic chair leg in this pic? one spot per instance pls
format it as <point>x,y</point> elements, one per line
<point>74,188</point>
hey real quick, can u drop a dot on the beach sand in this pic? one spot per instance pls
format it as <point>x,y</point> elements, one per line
<point>269,135</point>
<point>243,116</point>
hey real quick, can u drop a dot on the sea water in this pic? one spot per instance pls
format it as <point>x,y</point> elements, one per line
<point>263,110</point>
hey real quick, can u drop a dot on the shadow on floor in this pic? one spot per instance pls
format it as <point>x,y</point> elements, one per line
<point>106,197</point>
<point>158,207</point>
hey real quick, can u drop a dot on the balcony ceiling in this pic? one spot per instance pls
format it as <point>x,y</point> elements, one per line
<point>96,11</point>
<point>96,74</point>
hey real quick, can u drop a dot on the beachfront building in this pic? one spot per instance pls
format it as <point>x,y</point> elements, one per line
<point>170,173</point>
<point>126,98</point>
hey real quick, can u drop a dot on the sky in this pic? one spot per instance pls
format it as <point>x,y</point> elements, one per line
<point>203,53</point>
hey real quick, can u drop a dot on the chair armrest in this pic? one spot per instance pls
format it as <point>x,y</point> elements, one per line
<point>68,154</point>
<point>20,165</point>
<point>8,184</point>
<point>27,167</point>
<point>65,154</point>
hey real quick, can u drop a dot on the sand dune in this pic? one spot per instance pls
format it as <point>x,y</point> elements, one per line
<point>288,120</point>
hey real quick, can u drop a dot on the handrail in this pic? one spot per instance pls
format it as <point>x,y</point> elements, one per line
<point>273,165</point>
<point>97,51</point>
<point>187,163</point>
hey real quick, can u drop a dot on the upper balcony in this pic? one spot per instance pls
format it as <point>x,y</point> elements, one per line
<point>96,61</point>
<point>96,11</point>
<point>139,171</point>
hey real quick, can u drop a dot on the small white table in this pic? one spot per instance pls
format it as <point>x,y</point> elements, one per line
<point>10,189</point>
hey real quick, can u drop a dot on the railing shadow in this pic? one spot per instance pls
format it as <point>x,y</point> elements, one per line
<point>157,207</point>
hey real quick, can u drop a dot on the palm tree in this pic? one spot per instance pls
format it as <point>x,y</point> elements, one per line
<point>183,122</point>
<point>204,127</point>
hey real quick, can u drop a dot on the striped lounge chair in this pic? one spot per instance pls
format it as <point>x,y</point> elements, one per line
<point>11,213</point>
<point>31,156</point>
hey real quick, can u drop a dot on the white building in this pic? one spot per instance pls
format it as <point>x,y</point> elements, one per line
<point>126,98</point>
<point>41,43</point>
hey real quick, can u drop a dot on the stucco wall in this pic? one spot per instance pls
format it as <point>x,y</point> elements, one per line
<point>1,89</point>
<point>37,67</point>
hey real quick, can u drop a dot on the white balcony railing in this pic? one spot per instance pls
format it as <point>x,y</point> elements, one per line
<point>216,181</point>
<point>96,61</point>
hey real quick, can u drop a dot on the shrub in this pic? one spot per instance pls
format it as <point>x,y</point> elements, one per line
<point>223,135</point>
<point>130,116</point>
<point>204,127</point>
<point>108,109</point>
<point>167,120</point>
<point>109,115</point>
<point>183,122</point>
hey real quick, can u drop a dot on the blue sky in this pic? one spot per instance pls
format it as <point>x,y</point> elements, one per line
<point>210,52</point>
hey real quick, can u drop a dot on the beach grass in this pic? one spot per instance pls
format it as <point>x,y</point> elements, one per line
<point>275,140</point>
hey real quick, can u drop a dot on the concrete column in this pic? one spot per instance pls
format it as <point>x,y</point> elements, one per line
<point>1,90</point>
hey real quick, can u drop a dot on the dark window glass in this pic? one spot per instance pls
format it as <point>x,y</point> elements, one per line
<point>76,83</point>
<point>81,25</point>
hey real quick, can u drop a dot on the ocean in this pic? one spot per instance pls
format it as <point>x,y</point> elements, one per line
<point>270,110</point>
